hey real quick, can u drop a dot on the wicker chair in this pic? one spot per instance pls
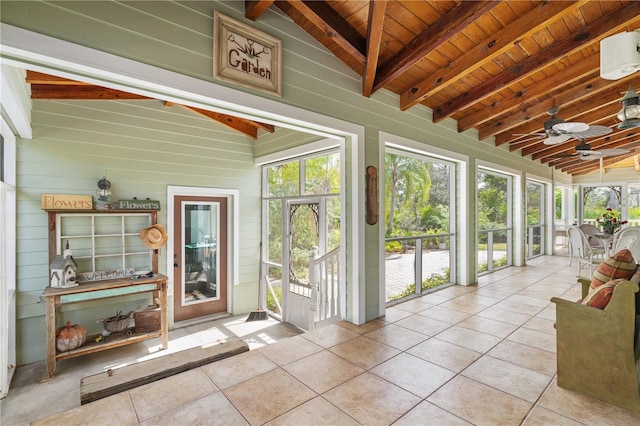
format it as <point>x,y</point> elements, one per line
<point>580,248</point>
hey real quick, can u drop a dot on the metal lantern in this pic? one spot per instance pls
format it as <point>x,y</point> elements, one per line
<point>630,113</point>
<point>103,192</point>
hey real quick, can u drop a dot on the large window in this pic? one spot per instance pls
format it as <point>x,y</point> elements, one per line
<point>494,220</point>
<point>535,219</point>
<point>419,225</point>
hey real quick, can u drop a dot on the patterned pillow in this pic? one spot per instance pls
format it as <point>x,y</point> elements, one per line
<point>620,265</point>
<point>600,296</point>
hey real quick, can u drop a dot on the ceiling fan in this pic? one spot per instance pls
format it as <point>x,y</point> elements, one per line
<point>584,152</point>
<point>556,130</point>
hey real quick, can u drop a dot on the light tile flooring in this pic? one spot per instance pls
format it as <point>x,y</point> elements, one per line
<point>482,355</point>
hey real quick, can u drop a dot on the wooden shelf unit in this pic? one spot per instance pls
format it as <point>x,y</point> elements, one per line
<point>55,297</point>
<point>86,291</point>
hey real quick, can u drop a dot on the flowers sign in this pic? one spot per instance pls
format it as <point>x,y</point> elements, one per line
<point>610,221</point>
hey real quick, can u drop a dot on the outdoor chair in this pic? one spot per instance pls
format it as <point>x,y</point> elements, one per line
<point>595,236</point>
<point>580,248</point>
<point>628,238</point>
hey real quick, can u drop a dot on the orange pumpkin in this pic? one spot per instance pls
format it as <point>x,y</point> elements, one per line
<point>70,337</point>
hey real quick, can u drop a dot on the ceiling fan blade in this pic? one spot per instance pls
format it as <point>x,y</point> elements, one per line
<point>570,127</point>
<point>554,140</point>
<point>613,151</point>
<point>530,134</point>
<point>592,132</point>
<point>590,155</point>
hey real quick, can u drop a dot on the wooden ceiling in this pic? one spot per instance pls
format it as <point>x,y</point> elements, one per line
<point>497,67</point>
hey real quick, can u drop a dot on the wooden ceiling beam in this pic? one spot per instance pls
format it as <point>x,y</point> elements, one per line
<point>539,90</point>
<point>590,112</point>
<point>336,28</point>
<point>254,9</point>
<point>550,152</point>
<point>594,165</point>
<point>589,34</point>
<point>450,24</point>
<point>35,77</point>
<point>596,90</point>
<point>44,86</point>
<point>377,10</point>
<point>239,124</point>
<point>80,92</point>
<point>484,52</point>
<point>623,140</point>
<point>579,166</point>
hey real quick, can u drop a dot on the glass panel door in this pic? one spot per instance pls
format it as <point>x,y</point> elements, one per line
<point>200,278</point>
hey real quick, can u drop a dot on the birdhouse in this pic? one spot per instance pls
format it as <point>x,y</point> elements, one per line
<point>62,271</point>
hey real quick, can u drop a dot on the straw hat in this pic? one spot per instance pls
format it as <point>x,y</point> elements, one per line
<point>154,236</point>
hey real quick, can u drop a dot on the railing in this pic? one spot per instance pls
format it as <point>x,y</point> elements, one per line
<point>424,259</point>
<point>324,276</point>
<point>503,234</point>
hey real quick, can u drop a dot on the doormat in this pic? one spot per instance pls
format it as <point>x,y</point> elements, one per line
<point>118,380</point>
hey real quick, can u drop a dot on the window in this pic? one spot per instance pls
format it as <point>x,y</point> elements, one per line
<point>494,220</point>
<point>419,223</point>
<point>535,219</point>
<point>104,241</point>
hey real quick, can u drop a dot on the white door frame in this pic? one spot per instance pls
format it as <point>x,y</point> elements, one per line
<point>233,236</point>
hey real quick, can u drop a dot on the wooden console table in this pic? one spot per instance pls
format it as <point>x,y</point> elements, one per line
<point>54,297</point>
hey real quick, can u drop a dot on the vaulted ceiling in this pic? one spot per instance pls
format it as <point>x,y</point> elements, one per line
<point>495,66</point>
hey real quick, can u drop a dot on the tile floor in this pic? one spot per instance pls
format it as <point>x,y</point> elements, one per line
<point>482,355</point>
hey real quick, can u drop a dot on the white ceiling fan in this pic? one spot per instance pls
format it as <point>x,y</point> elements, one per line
<point>556,130</point>
<point>585,152</point>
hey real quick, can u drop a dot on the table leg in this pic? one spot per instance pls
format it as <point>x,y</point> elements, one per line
<point>50,368</point>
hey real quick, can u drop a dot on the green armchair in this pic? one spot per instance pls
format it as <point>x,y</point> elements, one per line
<point>598,349</point>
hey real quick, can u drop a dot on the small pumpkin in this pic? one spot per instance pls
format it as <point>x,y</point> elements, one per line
<point>70,337</point>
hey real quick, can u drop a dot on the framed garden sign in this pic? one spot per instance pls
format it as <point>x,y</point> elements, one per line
<point>246,56</point>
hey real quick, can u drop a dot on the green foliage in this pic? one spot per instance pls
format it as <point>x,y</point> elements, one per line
<point>434,280</point>
<point>416,195</point>
<point>492,200</point>
<point>534,203</point>
<point>394,247</point>
<point>271,304</point>
<point>498,263</point>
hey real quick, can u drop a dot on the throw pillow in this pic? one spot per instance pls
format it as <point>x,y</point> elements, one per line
<point>620,265</point>
<point>600,296</point>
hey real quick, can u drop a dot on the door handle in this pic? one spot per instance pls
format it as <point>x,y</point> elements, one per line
<point>175,265</point>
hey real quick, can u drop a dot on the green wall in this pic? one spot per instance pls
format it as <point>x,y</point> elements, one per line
<point>142,146</point>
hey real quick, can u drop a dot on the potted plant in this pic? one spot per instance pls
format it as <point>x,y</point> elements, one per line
<point>610,221</point>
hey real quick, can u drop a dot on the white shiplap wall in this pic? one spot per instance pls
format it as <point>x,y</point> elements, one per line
<point>141,146</point>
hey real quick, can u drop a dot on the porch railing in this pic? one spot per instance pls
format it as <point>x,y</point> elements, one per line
<point>324,276</point>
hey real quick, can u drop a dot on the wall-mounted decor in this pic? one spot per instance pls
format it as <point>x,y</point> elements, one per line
<point>66,202</point>
<point>246,56</point>
<point>372,195</point>
<point>136,204</point>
